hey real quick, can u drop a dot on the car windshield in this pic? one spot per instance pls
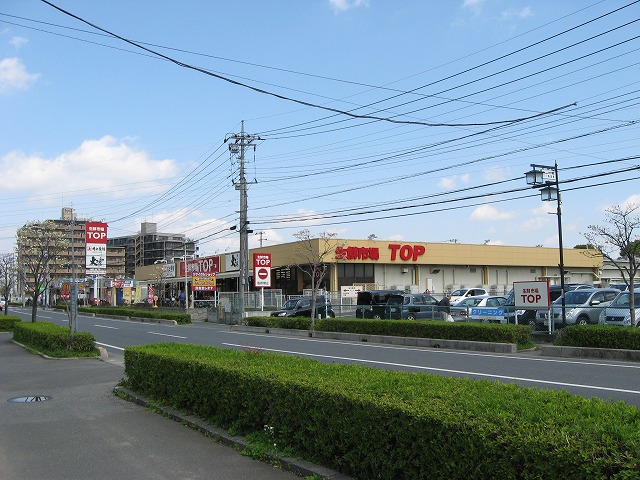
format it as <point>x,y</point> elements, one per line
<point>290,304</point>
<point>458,293</point>
<point>574,297</point>
<point>469,302</point>
<point>622,300</point>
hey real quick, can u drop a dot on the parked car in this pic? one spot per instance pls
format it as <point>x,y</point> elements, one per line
<point>462,311</point>
<point>461,293</point>
<point>412,306</point>
<point>582,306</point>
<point>371,303</point>
<point>617,313</point>
<point>554,290</point>
<point>301,307</point>
<point>624,287</point>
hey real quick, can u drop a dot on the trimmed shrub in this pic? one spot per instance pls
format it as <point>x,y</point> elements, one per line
<point>8,321</point>
<point>370,423</point>
<point>180,318</point>
<point>599,336</point>
<point>52,338</point>
<point>478,332</point>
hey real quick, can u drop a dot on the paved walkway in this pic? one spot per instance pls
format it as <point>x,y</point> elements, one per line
<point>86,432</point>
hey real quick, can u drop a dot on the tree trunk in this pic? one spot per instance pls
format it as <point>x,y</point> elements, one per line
<point>34,308</point>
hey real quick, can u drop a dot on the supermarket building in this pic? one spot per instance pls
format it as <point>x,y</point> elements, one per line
<point>409,266</point>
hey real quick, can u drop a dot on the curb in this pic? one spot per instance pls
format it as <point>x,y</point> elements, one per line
<point>492,347</point>
<point>297,466</point>
<point>588,352</point>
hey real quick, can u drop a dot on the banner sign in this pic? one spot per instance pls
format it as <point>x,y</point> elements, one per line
<point>96,248</point>
<point>206,283</point>
<point>201,266</point>
<point>262,270</point>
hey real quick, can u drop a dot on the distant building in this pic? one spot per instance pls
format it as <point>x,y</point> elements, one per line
<point>72,264</point>
<point>148,247</point>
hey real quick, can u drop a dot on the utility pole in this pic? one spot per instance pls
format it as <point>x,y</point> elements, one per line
<point>241,142</point>
<point>262,237</point>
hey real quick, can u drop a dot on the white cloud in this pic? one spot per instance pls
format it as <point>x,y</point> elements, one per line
<point>522,13</point>
<point>633,200</point>
<point>343,5</point>
<point>18,41</point>
<point>474,5</point>
<point>486,213</point>
<point>103,166</point>
<point>14,75</point>
<point>494,174</point>
<point>448,183</point>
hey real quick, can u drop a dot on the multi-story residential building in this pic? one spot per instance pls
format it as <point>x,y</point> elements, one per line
<point>72,263</point>
<point>149,247</point>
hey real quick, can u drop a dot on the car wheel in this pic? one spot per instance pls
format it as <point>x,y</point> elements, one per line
<point>582,321</point>
<point>411,316</point>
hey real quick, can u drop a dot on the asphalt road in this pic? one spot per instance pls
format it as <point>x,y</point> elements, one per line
<point>615,380</point>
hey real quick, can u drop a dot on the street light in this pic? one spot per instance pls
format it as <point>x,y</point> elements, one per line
<point>546,179</point>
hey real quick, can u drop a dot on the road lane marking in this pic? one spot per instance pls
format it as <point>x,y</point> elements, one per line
<point>106,326</point>
<point>109,346</point>
<point>436,351</point>
<point>166,335</point>
<point>446,370</point>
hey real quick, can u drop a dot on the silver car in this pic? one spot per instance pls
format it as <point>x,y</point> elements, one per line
<point>617,313</point>
<point>582,306</point>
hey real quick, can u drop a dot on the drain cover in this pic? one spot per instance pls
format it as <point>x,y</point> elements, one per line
<point>36,398</point>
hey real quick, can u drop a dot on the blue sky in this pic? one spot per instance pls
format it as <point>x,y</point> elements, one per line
<point>407,120</point>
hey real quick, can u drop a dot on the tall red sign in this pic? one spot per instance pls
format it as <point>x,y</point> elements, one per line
<point>262,270</point>
<point>96,248</point>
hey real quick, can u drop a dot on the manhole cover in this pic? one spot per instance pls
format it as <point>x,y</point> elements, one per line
<point>35,398</point>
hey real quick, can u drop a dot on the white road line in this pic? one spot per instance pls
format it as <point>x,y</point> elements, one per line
<point>105,326</point>
<point>439,351</point>
<point>109,346</point>
<point>166,335</point>
<point>446,370</point>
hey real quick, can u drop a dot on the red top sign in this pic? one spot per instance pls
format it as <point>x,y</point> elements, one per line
<point>95,232</point>
<point>261,270</point>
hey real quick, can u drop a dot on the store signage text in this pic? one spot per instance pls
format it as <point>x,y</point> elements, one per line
<point>398,252</point>
<point>357,253</point>
<point>205,265</point>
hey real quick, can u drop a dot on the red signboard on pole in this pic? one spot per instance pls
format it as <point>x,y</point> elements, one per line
<point>262,270</point>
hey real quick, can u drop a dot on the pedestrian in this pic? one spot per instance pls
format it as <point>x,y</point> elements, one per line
<point>445,309</point>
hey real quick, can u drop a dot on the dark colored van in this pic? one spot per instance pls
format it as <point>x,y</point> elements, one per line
<point>371,303</point>
<point>301,307</point>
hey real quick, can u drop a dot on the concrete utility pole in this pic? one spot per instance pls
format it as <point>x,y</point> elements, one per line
<point>241,142</point>
<point>262,237</point>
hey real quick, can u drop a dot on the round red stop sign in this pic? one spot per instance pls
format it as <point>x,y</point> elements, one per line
<point>263,274</point>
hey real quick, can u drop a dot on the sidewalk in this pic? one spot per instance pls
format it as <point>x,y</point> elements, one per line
<point>86,432</point>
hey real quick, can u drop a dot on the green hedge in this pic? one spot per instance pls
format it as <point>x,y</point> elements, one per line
<point>370,423</point>
<point>180,318</point>
<point>478,332</point>
<point>7,322</point>
<point>54,338</point>
<point>599,336</point>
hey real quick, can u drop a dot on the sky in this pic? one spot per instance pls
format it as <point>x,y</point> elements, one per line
<point>405,120</point>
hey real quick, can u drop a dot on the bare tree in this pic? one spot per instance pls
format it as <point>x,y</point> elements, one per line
<point>8,275</point>
<point>618,242</point>
<point>312,254</point>
<point>41,248</point>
